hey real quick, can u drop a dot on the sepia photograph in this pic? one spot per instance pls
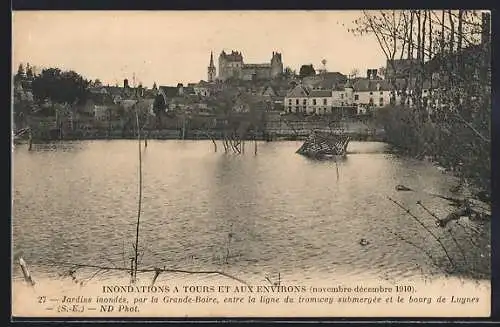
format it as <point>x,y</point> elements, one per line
<point>330,163</point>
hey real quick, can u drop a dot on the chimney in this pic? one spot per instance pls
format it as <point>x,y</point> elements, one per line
<point>371,73</point>
<point>125,83</point>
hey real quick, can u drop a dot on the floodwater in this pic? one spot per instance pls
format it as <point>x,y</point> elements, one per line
<point>252,215</point>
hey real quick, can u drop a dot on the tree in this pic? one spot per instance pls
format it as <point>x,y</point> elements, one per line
<point>20,75</point>
<point>307,70</point>
<point>159,107</point>
<point>20,71</point>
<point>29,72</point>
<point>58,86</point>
<point>323,67</point>
<point>448,50</point>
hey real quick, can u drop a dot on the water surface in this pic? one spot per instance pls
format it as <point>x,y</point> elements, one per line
<point>77,202</point>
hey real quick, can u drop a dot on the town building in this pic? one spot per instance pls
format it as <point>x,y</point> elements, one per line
<point>118,93</point>
<point>369,92</point>
<point>363,93</point>
<point>301,99</point>
<point>231,66</point>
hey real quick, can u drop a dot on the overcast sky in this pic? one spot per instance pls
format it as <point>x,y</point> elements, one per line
<point>168,47</point>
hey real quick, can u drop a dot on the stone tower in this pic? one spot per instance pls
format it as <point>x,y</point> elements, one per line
<point>211,69</point>
<point>276,65</point>
<point>230,65</point>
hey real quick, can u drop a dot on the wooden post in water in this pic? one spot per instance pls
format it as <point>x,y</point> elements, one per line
<point>184,128</point>
<point>132,270</point>
<point>215,144</point>
<point>30,140</point>
<point>337,168</point>
<point>26,272</point>
<point>255,145</point>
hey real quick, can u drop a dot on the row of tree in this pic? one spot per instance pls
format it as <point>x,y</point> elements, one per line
<point>305,70</point>
<point>450,51</point>
<point>54,84</point>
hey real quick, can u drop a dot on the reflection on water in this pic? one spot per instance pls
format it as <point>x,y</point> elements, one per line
<point>77,202</point>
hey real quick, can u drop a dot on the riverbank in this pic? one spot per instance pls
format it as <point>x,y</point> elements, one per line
<point>274,127</point>
<point>199,135</point>
<point>449,144</point>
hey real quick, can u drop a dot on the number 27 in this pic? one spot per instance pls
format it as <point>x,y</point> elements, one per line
<point>41,299</point>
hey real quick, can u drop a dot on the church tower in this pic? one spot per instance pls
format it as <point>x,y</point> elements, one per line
<point>276,65</point>
<point>211,69</point>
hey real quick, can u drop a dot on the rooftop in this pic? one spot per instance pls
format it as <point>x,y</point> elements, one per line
<point>320,93</point>
<point>365,84</point>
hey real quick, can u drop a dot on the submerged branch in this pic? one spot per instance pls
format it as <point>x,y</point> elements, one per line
<point>155,270</point>
<point>428,211</point>
<point>426,228</point>
<point>449,230</point>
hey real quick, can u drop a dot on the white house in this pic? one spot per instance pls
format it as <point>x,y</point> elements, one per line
<point>297,99</point>
<point>372,92</point>
<point>301,99</point>
<point>343,95</point>
<point>363,93</point>
<point>319,102</point>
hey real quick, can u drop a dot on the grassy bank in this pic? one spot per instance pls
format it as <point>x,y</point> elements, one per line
<point>445,140</point>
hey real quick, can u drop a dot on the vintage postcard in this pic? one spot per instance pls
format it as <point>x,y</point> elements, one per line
<point>251,163</point>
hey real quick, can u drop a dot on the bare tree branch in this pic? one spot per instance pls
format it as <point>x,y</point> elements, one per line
<point>148,270</point>
<point>427,229</point>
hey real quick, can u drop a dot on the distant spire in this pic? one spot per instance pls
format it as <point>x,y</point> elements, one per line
<point>211,68</point>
